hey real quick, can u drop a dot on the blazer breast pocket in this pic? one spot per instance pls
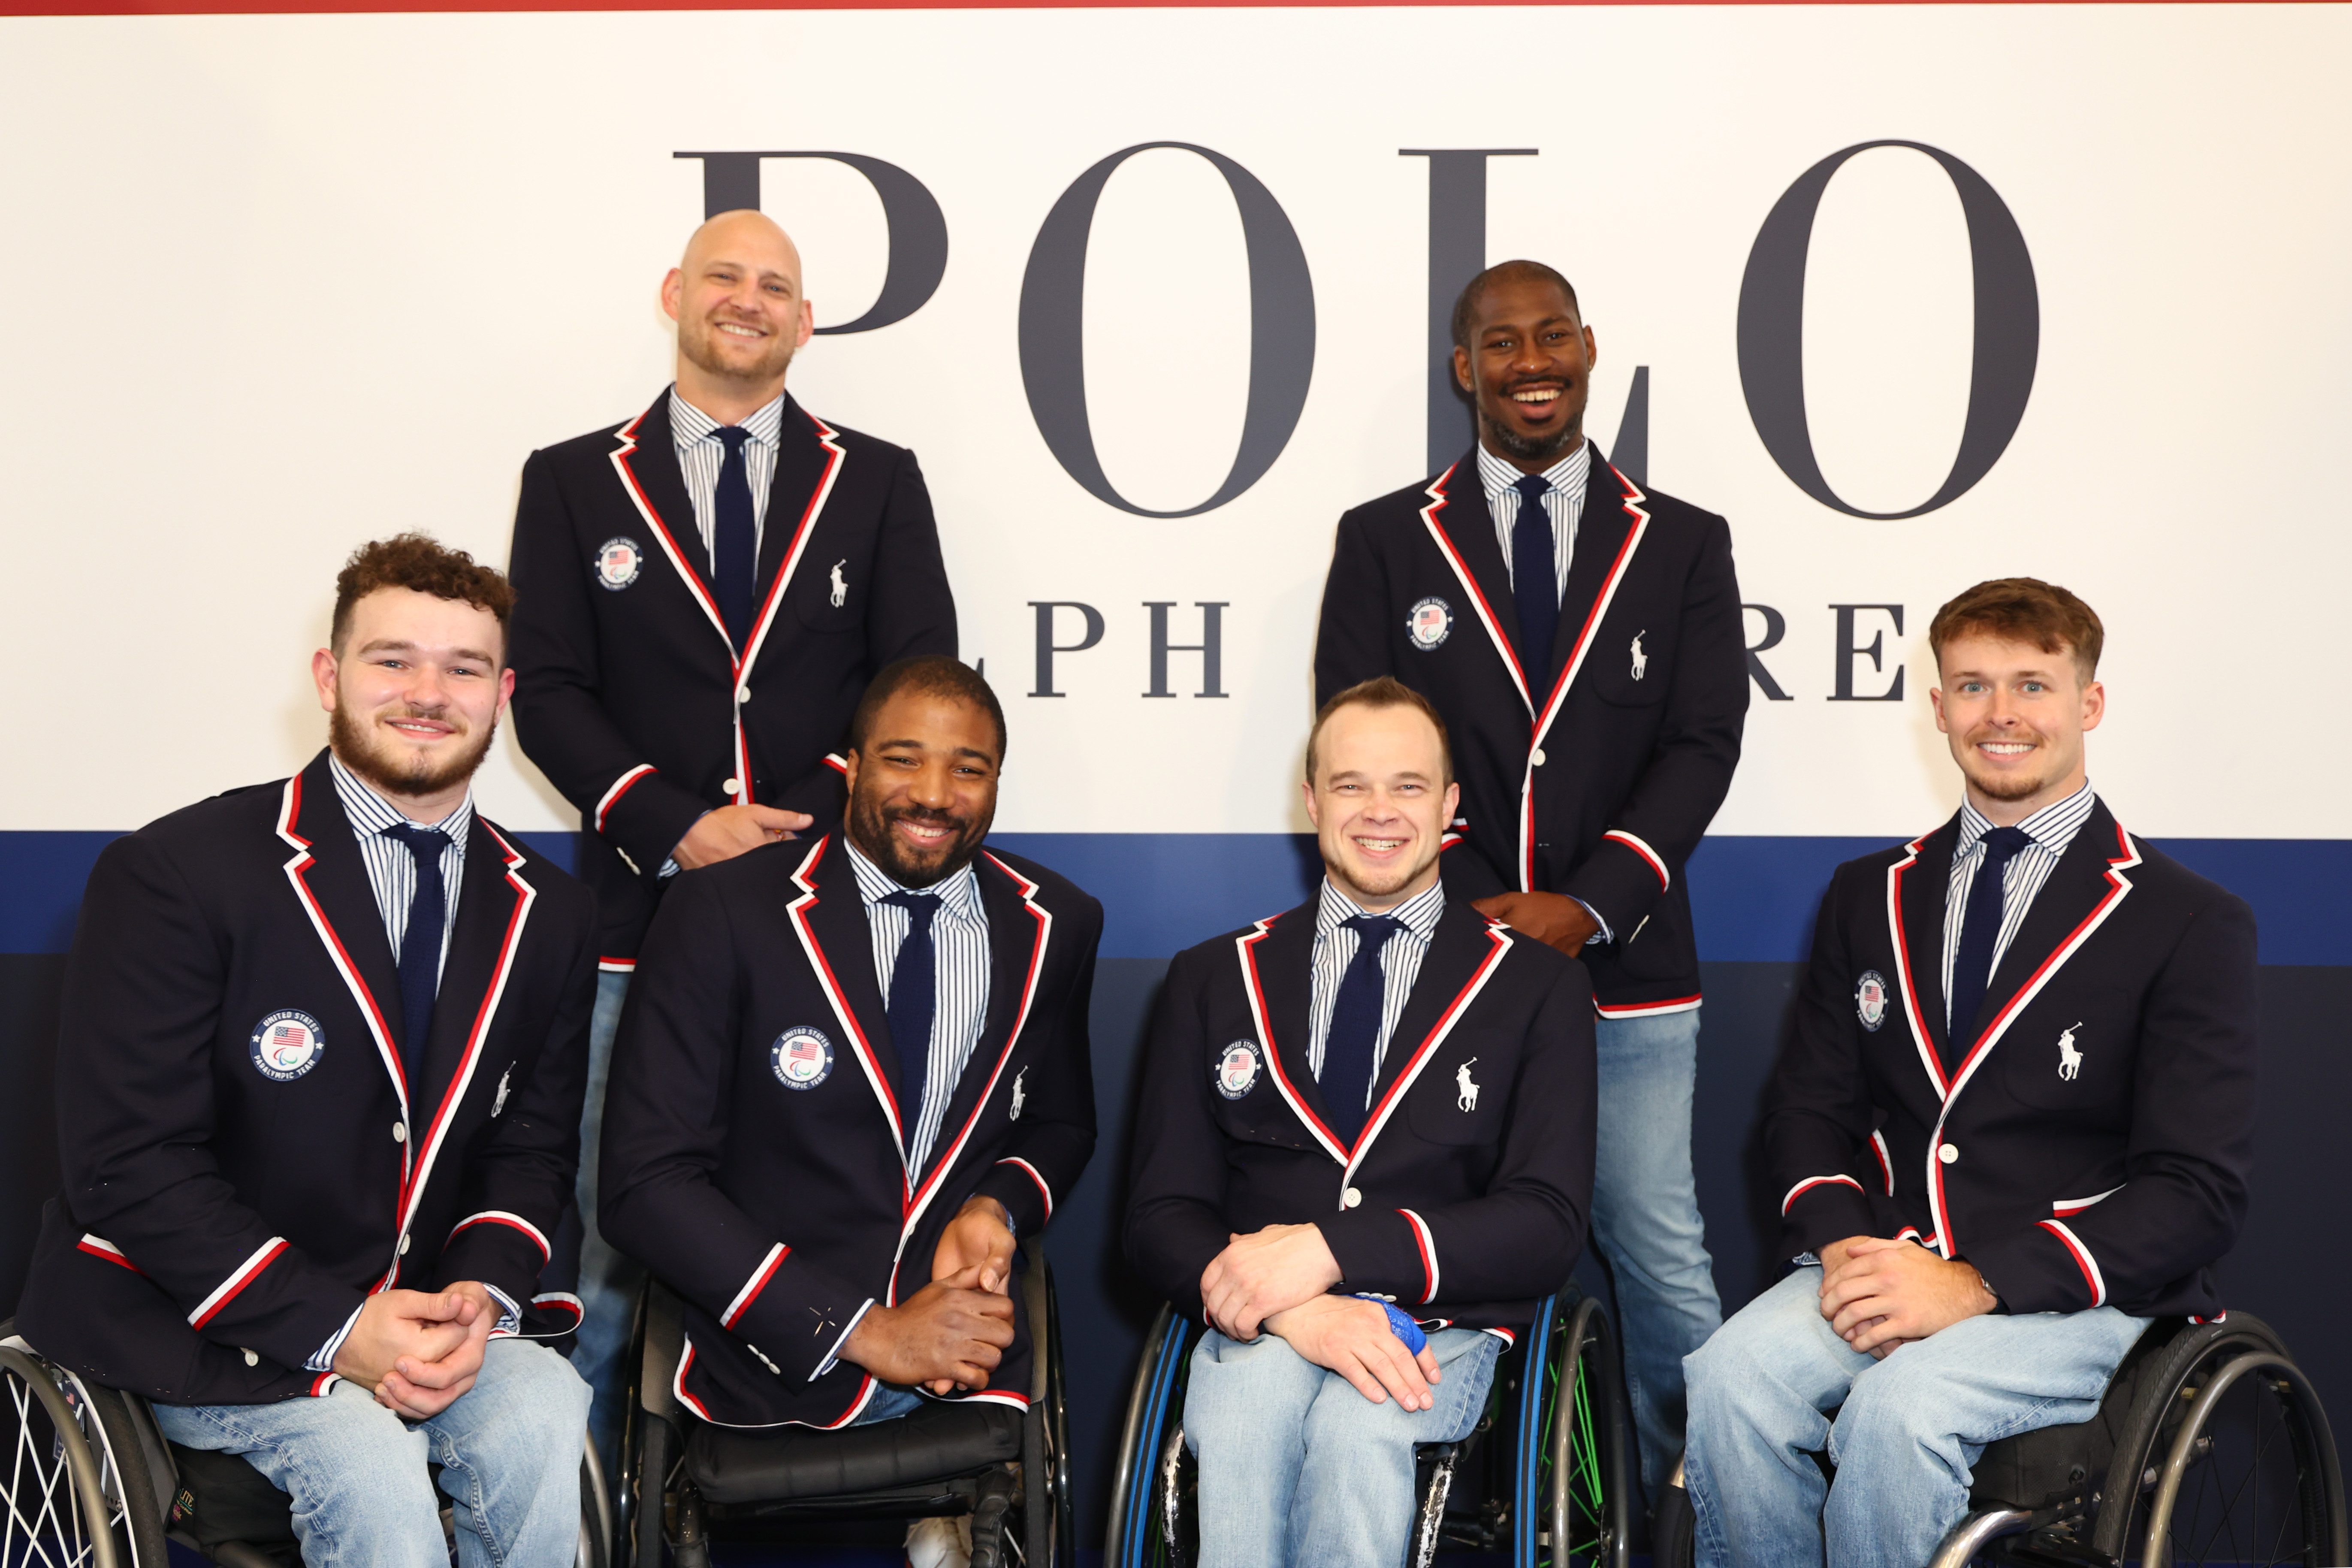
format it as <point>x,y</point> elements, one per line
<point>1459,1098</point>
<point>1630,661</point>
<point>828,592</point>
<point>2053,1061</point>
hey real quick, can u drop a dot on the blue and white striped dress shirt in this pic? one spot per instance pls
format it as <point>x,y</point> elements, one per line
<point>959,958</point>
<point>392,876</point>
<point>700,454</point>
<point>1564,501</point>
<point>2050,830</point>
<point>1335,948</point>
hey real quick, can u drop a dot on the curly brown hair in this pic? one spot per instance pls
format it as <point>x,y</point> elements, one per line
<point>2026,610</point>
<point>420,562</point>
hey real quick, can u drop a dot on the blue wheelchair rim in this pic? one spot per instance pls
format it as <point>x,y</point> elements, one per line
<point>1140,1527</point>
<point>1532,1439</point>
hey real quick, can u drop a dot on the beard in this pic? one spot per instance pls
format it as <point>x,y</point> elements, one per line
<point>695,342</point>
<point>2011,786</point>
<point>1534,448</point>
<point>393,771</point>
<point>869,829</point>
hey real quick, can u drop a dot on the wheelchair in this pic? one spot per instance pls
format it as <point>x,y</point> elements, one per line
<point>2209,1446</point>
<point>687,1482</point>
<point>91,1483</point>
<point>1546,1475</point>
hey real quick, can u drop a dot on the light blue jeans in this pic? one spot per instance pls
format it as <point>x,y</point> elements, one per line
<point>1904,1443</point>
<point>608,1282</point>
<point>1645,1220</point>
<point>509,1449</point>
<point>1299,1469</point>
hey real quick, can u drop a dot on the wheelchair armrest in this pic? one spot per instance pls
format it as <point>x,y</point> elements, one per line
<point>657,1370</point>
<point>1036,1299</point>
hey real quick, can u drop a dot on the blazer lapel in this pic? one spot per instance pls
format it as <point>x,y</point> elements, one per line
<point>844,939</point>
<point>1464,528</point>
<point>344,902</point>
<point>654,464</point>
<point>2075,886</point>
<point>1280,965</point>
<point>1920,937</point>
<point>1600,532</point>
<point>802,464</point>
<point>1456,948</point>
<point>1013,939</point>
<point>478,947</point>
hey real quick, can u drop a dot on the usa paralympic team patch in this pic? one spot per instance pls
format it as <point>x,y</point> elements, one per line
<point>1429,623</point>
<point>1870,999</point>
<point>802,1057</point>
<point>618,561</point>
<point>1237,1069</point>
<point>287,1044</point>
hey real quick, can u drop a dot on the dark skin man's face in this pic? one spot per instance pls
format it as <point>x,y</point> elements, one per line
<point>922,788</point>
<point>1528,368</point>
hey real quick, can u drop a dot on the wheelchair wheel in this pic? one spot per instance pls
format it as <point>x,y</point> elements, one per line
<point>1572,1474</point>
<point>1152,1492</point>
<point>2227,1458</point>
<point>81,1492</point>
<point>1048,1535</point>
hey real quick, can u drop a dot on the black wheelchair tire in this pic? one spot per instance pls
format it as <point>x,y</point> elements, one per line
<point>1673,1529</point>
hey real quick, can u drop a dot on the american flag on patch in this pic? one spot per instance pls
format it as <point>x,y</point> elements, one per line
<point>290,1035</point>
<point>804,1051</point>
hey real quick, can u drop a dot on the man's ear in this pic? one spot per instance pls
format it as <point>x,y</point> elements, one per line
<point>322,676</point>
<point>1452,807</point>
<point>2095,705</point>
<point>1462,371</point>
<point>673,289</point>
<point>1307,792</point>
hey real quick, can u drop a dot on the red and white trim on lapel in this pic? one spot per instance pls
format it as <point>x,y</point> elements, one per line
<point>1428,1245</point>
<point>1885,1160</point>
<point>739,664</point>
<point>1905,985</point>
<point>99,1246</point>
<point>2083,1258</point>
<point>836,761</point>
<point>1044,1190</point>
<point>1500,938</point>
<point>1666,878</point>
<point>620,786</point>
<point>512,1221</point>
<point>268,1253</point>
<point>2119,888</point>
<point>797,911</point>
<point>754,1285</point>
<point>1809,1184</point>
<point>1439,501</point>
<point>1648,1009</point>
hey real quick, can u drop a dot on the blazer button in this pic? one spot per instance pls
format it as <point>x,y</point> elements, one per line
<point>1539,758</point>
<point>729,787</point>
<point>742,695</point>
<point>1351,1198</point>
<point>1949,1152</point>
<point>399,1131</point>
<point>404,1247</point>
<point>252,1359</point>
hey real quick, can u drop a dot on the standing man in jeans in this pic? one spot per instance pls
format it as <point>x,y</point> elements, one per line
<point>1582,639</point>
<point>703,591</point>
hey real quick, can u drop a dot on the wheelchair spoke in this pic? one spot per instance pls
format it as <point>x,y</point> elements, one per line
<point>53,1535</point>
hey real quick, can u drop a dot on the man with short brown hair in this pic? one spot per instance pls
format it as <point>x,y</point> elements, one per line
<point>320,1118</point>
<point>2013,1125</point>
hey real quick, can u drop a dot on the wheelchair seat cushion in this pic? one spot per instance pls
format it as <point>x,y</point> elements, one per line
<point>223,1498</point>
<point>2037,1469</point>
<point>935,1441</point>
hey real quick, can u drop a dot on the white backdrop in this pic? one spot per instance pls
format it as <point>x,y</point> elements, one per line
<point>277,285</point>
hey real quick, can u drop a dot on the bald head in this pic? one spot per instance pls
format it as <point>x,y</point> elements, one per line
<point>736,298</point>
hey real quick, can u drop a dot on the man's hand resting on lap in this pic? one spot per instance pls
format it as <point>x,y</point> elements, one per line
<point>1879,1294</point>
<point>729,830</point>
<point>949,1334</point>
<point>1352,1337</point>
<point>418,1351</point>
<point>980,1236</point>
<point>1264,1273</point>
<point>1553,918</point>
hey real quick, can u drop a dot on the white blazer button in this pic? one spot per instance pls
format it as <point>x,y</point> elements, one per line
<point>729,787</point>
<point>1351,1198</point>
<point>399,1131</point>
<point>1539,758</point>
<point>252,1359</point>
<point>404,1247</point>
<point>742,694</point>
<point>1949,1152</point>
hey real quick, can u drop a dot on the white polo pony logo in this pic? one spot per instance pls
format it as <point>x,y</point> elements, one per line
<point>840,584</point>
<point>1467,1097</point>
<point>1019,1097</point>
<point>2070,1061</point>
<point>1641,659</point>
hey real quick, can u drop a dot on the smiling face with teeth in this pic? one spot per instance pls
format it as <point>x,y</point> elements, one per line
<point>2016,716</point>
<point>1380,801</point>
<point>1527,364</point>
<point>922,785</point>
<point>736,298</point>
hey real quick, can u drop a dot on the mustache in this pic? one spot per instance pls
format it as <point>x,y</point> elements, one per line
<point>930,815</point>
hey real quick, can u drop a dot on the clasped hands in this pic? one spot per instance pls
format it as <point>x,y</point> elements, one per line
<point>1880,1295</point>
<point>419,1350</point>
<point>950,1335</point>
<point>1553,918</point>
<point>1278,1281</point>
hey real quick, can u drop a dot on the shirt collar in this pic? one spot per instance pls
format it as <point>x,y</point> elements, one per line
<point>1566,477</point>
<point>690,426</point>
<point>1418,915</point>
<point>2052,828</point>
<point>959,895</point>
<point>372,814</point>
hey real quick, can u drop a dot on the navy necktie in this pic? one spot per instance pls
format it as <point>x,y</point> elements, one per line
<point>914,1002</point>
<point>420,949</point>
<point>735,538</point>
<point>1980,926</point>
<point>1535,583</point>
<point>1347,1075</point>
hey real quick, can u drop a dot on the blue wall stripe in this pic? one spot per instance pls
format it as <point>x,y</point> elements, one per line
<point>1753,898</point>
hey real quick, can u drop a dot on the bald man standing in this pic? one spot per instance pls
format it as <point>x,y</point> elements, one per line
<point>702,593</point>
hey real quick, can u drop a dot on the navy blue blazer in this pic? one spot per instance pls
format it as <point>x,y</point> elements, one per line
<point>2093,1145</point>
<point>1466,1196</point>
<point>629,695</point>
<point>245,1159</point>
<point>751,1154</point>
<point>1596,777</point>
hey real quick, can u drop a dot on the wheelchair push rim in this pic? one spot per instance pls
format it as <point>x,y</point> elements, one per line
<point>69,1503</point>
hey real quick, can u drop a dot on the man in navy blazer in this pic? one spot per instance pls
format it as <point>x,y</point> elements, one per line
<point>2013,1124</point>
<point>1365,1153</point>
<point>319,1106</point>
<point>849,1074</point>
<point>1582,638</point>
<point>704,591</point>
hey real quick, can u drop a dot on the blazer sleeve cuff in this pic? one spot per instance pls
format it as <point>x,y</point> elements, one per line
<point>1621,881</point>
<point>1024,1190</point>
<point>1384,1252</point>
<point>644,815</point>
<point>1829,1206</point>
<point>500,1250</point>
<point>794,1314</point>
<point>2046,1267</point>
